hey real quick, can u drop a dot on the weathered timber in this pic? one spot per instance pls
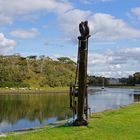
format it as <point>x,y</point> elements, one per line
<point>82,107</point>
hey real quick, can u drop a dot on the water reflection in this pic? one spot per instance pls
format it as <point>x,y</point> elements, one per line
<point>26,111</point>
<point>23,111</point>
<point>136,97</point>
<point>111,98</point>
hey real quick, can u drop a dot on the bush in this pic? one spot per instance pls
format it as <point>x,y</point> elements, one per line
<point>13,84</point>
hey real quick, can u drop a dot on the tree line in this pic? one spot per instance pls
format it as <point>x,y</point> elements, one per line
<point>132,80</point>
<point>42,71</point>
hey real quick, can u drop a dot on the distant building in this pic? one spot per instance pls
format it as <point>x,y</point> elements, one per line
<point>113,81</point>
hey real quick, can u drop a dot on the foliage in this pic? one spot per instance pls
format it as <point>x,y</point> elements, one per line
<point>97,81</point>
<point>13,84</point>
<point>66,60</point>
<point>132,80</point>
<point>36,71</point>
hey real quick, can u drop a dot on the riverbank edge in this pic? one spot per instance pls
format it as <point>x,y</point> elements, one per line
<point>61,90</point>
<point>34,90</point>
<point>64,123</point>
<point>125,87</point>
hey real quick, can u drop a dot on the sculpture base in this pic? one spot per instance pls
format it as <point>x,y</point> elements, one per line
<point>80,122</point>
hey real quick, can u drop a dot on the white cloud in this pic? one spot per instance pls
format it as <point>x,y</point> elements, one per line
<point>115,57</point>
<point>90,1</point>
<point>107,27</point>
<point>98,59</point>
<point>6,45</point>
<point>116,74</point>
<point>132,51</point>
<point>22,33</point>
<point>45,26</point>
<point>5,19</point>
<point>104,27</point>
<point>69,22</point>
<point>115,63</point>
<point>117,66</point>
<point>10,10</point>
<point>105,0</point>
<point>135,13</point>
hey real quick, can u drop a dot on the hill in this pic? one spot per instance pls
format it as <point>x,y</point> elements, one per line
<point>33,71</point>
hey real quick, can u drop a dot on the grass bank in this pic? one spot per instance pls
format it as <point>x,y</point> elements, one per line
<point>120,124</point>
<point>33,90</point>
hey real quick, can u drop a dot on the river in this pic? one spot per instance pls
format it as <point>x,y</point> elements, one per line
<point>27,111</point>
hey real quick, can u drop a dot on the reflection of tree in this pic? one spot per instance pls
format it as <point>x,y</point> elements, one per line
<point>136,97</point>
<point>31,107</point>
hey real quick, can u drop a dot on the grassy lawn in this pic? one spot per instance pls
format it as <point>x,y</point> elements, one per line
<point>46,89</point>
<point>33,90</point>
<point>121,124</point>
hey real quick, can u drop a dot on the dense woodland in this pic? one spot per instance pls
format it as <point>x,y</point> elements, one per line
<point>97,81</point>
<point>33,71</point>
<point>132,80</point>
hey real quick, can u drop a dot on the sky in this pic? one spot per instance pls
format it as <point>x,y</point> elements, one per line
<point>50,27</point>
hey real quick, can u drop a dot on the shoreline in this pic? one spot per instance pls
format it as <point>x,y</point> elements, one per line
<point>65,122</point>
<point>19,91</point>
<point>62,123</point>
<point>31,92</point>
<point>38,91</point>
<point>129,87</point>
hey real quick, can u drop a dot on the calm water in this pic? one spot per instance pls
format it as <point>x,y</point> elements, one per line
<point>26,111</point>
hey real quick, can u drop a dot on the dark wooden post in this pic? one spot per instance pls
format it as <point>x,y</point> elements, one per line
<point>82,77</point>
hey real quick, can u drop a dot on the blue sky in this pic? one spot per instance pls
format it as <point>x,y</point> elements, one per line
<point>50,27</point>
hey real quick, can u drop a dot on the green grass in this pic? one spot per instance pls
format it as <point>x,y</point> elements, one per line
<point>33,90</point>
<point>121,124</point>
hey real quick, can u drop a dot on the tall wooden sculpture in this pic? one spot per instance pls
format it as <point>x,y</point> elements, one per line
<point>78,92</point>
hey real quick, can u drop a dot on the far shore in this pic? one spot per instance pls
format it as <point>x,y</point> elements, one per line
<point>34,90</point>
<point>52,90</point>
<point>132,87</point>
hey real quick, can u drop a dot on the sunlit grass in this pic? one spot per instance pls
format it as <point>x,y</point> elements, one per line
<point>34,90</point>
<point>121,124</point>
